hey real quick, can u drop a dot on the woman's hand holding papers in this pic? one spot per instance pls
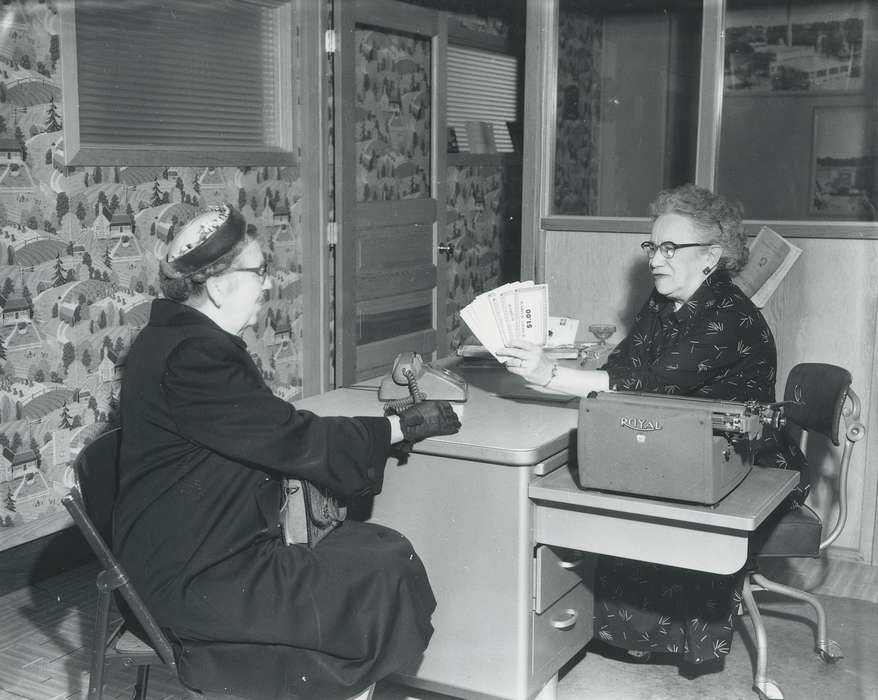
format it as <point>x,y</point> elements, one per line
<point>528,361</point>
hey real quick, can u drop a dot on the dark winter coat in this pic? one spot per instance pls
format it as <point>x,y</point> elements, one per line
<point>205,447</point>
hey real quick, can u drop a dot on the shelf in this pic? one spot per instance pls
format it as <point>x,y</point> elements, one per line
<point>464,159</point>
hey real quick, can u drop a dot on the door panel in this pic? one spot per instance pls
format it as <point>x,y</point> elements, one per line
<point>394,284</point>
<point>394,315</point>
<point>394,243</point>
<point>388,165</point>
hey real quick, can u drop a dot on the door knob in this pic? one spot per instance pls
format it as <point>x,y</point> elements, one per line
<point>447,249</point>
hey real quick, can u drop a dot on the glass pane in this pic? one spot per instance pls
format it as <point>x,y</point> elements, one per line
<point>393,115</point>
<point>628,75</point>
<point>798,138</point>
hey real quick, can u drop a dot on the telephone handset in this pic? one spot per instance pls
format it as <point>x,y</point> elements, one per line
<point>411,381</point>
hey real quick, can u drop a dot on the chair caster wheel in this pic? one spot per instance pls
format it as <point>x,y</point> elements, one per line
<point>768,690</point>
<point>830,652</point>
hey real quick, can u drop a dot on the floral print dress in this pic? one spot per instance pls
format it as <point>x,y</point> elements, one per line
<point>717,345</point>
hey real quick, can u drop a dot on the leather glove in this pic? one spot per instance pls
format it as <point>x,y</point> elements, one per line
<point>426,418</point>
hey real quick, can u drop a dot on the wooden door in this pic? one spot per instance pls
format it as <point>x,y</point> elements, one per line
<point>390,165</point>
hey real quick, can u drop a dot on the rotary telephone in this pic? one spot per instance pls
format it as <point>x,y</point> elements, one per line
<point>410,381</point>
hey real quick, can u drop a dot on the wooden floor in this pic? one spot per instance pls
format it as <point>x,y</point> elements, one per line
<point>46,631</point>
<point>45,635</point>
<point>836,577</point>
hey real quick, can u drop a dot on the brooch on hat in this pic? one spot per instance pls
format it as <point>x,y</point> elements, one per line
<point>204,239</point>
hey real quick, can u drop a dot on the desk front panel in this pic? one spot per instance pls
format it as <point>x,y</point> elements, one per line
<point>463,502</point>
<point>470,522</point>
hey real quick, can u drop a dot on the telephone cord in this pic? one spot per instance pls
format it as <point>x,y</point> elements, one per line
<point>415,395</point>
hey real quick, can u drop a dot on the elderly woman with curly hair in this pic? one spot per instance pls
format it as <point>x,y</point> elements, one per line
<point>696,335</point>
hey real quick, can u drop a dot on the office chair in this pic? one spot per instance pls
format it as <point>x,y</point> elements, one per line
<point>817,398</point>
<point>90,504</point>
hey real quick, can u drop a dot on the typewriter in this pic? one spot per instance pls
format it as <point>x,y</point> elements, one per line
<point>674,448</point>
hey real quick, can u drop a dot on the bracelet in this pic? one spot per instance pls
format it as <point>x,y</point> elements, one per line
<point>552,375</point>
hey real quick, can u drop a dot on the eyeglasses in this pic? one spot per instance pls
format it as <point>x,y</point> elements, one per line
<point>262,270</point>
<point>667,248</point>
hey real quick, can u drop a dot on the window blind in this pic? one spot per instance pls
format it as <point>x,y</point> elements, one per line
<point>195,75</point>
<point>481,87</point>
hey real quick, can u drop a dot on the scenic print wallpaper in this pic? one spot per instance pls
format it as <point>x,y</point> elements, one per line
<point>483,217</point>
<point>79,248</point>
<point>579,111</point>
<point>393,116</point>
<point>79,251</point>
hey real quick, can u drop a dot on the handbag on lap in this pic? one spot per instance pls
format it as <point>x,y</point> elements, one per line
<point>309,512</point>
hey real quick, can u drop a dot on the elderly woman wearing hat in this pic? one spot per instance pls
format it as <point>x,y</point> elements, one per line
<point>205,450</point>
<point>696,335</point>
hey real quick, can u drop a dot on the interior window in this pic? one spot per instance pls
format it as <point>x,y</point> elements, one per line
<point>798,137</point>
<point>627,110</point>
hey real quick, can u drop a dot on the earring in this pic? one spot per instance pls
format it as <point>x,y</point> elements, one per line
<point>706,270</point>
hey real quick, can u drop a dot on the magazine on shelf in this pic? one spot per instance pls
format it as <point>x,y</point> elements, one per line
<point>481,137</point>
<point>771,257</point>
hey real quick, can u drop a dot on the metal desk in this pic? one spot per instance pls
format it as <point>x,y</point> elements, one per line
<point>485,509</point>
<point>462,501</point>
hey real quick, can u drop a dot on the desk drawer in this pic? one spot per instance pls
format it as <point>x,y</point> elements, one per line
<point>562,630</point>
<point>556,571</point>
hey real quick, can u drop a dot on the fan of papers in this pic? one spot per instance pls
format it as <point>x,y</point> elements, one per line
<point>518,310</point>
<point>515,311</point>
